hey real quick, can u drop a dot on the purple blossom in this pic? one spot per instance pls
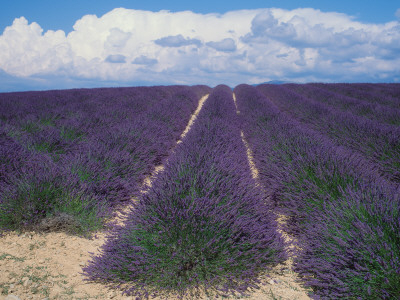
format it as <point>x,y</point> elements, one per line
<point>200,213</point>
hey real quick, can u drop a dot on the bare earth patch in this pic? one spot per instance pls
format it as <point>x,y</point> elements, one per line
<point>39,266</point>
<point>48,265</point>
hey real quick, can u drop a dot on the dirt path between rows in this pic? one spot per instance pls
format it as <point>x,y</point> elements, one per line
<point>284,282</point>
<point>47,265</point>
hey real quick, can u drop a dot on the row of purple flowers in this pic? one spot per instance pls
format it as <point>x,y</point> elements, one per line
<point>82,152</point>
<point>378,142</point>
<point>203,226</point>
<point>344,214</point>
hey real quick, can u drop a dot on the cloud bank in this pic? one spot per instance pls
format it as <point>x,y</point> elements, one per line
<point>252,46</point>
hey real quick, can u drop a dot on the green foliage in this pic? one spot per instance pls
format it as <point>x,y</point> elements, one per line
<point>49,120</point>
<point>49,147</point>
<point>70,134</point>
<point>32,200</point>
<point>30,127</point>
<point>35,201</point>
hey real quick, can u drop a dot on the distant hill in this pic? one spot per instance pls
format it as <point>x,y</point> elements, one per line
<point>272,82</point>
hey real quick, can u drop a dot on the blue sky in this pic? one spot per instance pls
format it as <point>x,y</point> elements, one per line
<point>47,12</point>
<point>66,44</point>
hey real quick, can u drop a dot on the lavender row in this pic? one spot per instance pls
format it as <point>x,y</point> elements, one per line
<point>391,88</point>
<point>282,144</point>
<point>203,225</point>
<point>85,146</point>
<point>380,143</point>
<point>373,111</point>
<point>346,218</point>
<point>367,93</point>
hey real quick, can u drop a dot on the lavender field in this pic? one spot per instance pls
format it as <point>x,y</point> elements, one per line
<point>327,156</point>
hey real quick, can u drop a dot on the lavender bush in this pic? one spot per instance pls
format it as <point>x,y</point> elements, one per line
<point>384,94</point>
<point>378,142</point>
<point>374,111</point>
<point>34,188</point>
<point>299,167</point>
<point>81,149</point>
<point>353,249</point>
<point>202,226</point>
<point>344,214</point>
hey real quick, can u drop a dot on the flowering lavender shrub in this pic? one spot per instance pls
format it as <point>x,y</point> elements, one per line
<point>374,111</point>
<point>392,89</point>
<point>353,249</point>
<point>81,149</point>
<point>202,226</point>
<point>378,142</point>
<point>33,188</point>
<point>299,167</point>
<point>346,216</point>
<point>368,93</point>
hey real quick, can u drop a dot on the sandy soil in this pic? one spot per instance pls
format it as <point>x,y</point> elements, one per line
<point>48,265</point>
<point>193,117</point>
<point>291,289</point>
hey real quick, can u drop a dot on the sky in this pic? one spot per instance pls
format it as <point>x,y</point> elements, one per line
<point>73,44</point>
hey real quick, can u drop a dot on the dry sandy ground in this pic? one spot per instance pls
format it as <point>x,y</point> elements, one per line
<point>48,265</point>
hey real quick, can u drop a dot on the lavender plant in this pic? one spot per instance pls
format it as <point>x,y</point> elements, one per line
<point>40,193</point>
<point>374,111</point>
<point>299,167</point>
<point>81,149</point>
<point>344,214</point>
<point>203,226</point>
<point>353,248</point>
<point>377,142</point>
<point>367,93</point>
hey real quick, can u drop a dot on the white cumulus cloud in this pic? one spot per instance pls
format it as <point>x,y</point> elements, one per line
<point>117,38</point>
<point>144,60</point>
<point>116,58</point>
<point>126,45</point>
<point>25,50</point>
<point>226,45</point>
<point>177,41</point>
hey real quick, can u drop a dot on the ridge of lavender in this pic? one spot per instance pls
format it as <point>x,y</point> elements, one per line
<point>203,226</point>
<point>344,213</point>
